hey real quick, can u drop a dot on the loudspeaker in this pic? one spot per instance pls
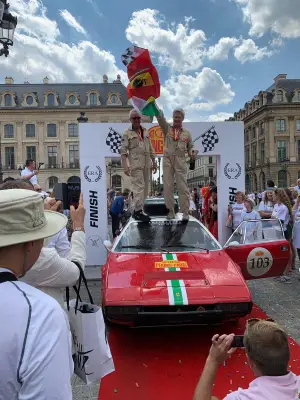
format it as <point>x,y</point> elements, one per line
<point>61,193</point>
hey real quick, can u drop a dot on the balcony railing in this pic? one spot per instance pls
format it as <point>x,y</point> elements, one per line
<point>72,165</point>
<point>8,167</point>
<point>52,166</point>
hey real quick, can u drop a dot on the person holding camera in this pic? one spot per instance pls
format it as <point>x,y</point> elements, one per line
<point>267,349</point>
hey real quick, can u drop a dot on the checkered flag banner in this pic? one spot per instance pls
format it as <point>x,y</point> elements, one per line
<point>114,140</point>
<point>131,54</point>
<point>209,139</point>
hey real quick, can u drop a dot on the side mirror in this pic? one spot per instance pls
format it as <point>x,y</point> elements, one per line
<point>108,245</point>
<point>232,244</point>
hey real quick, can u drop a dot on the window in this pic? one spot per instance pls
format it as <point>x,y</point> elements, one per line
<point>298,125</point>
<point>10,157</point>
<point>281,150</point>
<point>74,155</point>
<point>282,179</point>
<point>114,99</point>
<point>93,99</point>
<point>30,130</point>
<point>73,130</point>
<point>262,152</point>
<point>51,130</point>
<point>29,100</point>
<point>210,160</point>
<point>279,96</point>
<point>53,180</point>
<point>247,156</point>
<point>297,96</point>
<point>31,153</point>
<point>253,151</point>
<point>298,148</point>
<point>210,172</point>
<point>72,99</point>
<point>254,133</point>
<point>262,129</point>
<point>247,136</point>
<point>52,156</point>
<point>280,125</point>
<point>116,181</point>
<point>51,99</point>
<point>8,131</point>
<point>8,100</point>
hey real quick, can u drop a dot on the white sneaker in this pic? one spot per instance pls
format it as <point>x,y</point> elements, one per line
<point>171,215</point>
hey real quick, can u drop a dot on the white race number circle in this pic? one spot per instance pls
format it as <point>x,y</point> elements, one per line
<point>259,262</point>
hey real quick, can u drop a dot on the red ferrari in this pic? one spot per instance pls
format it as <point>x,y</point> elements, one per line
<point>173,272</point>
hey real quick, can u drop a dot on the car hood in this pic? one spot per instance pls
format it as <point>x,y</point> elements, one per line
<point>151,271</point>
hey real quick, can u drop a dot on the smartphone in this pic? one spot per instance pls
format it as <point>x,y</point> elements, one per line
<point>238,341</point>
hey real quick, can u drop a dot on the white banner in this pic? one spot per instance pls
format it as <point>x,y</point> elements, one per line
<point>100,140</point>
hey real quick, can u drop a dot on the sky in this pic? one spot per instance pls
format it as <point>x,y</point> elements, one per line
<point>212,56</point>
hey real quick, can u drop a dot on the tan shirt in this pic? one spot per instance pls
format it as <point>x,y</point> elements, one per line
<point>175,147</point>
<point>138,151</point>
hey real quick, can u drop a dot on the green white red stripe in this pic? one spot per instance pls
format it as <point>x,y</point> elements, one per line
<point>176,288</point>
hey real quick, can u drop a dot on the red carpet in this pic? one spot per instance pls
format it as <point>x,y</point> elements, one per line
<point>159,364</point>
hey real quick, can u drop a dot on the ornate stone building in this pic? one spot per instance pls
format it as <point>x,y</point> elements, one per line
<point>39,121</point>
<point>272,135</point>
<point>204,172</point>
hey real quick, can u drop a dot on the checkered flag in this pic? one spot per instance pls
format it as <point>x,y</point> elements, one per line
<point>209,139</point>
<point>131,54</point>
<point>114,140</point>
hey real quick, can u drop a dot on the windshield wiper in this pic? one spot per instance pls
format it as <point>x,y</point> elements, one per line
<point>187,246</point>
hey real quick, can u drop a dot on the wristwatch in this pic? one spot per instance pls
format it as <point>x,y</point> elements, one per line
<point>78,229</point>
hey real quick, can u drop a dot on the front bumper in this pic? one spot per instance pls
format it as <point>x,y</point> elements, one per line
<point>176,315</point>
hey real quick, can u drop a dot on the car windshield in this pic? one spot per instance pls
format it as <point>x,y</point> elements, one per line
<point>257,231</point>
<point>162,235</point>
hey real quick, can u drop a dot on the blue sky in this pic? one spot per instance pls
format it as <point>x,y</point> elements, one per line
<point>212,55</point>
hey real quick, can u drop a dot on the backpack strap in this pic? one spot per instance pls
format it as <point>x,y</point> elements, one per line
<point>7,277</point>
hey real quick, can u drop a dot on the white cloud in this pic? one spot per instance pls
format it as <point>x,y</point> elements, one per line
<point>95,7</point>
<point>71,21</point>
<point>220,51</point>
<point>220,116</point>
<point>178,46</point>
<point>249,51</point>
<point>39,51</point>
<point>279,16</point>
<point>201,92</point>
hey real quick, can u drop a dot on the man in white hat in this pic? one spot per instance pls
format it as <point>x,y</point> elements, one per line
<point>35,340</point>
<point>178,142</point>
<point>137,148</point>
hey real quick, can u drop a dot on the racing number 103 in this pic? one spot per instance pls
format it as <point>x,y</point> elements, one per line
<point>259,262</point>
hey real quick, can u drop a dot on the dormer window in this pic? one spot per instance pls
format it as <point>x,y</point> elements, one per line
<point>113,99</point>
<point>8,100</point>
<point>50,99</point>
<point>93,98</point>
<point>296,97</point>
<point>279,96</point>
<point>29,100</point>
<point>72,99</point>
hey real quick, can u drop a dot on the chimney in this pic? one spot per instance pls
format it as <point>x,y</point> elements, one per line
<point>9,80</point>
<point>105,78</point>
<point>46,80</point>
<point>280,76</point>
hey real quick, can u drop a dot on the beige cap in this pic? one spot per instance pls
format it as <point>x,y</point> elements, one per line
<point>23,218</point>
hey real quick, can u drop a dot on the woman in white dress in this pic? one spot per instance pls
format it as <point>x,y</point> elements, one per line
<point>235,210</point>
<point>283,212</point>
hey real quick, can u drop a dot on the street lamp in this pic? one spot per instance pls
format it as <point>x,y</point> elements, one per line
<point>8,25</point>
<point>83,118</point>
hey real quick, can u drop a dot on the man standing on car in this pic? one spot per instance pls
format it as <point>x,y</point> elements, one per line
<point>178,142</point>
<point>137,148</point>
<point>116,210</point>
<point>29,173</point>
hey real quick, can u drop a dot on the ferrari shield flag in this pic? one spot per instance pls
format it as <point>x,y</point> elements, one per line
<point>176,288</point>
<point>144,86</point>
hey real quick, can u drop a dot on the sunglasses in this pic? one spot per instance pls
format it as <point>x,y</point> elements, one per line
<point>136,118</point>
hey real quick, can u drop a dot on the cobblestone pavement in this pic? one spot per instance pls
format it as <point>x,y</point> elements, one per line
<point>280,301</point>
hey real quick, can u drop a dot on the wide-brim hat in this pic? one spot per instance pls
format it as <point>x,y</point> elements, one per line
<point>23,218</point>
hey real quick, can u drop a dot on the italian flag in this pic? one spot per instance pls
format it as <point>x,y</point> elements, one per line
<point>148,108</point>
<point>176,288</point>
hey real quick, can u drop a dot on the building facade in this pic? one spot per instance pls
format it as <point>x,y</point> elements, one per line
<point>39,121</point>
<point>204,172</point>
<point>272,135</point>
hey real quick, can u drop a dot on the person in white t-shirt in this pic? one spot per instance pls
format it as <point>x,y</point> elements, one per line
<point>248,213</point>
<point>235,210</point>
<point>35,340</point>
<point>283,212</point>
<point>266,206</point>
<point>29,173</point>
